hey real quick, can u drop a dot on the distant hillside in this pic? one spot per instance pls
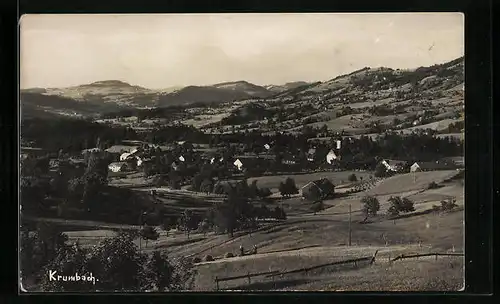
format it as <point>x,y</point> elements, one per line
<point>42,105</point>
<point>244,87</point>
<point>197,94</point>
<point>285,87</point>
<point>437,77</point>
<point>114,95</point>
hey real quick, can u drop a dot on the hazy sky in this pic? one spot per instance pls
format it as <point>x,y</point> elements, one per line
<point>160,51</point>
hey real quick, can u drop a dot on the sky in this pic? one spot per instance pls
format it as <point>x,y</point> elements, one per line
<point>167,50</point>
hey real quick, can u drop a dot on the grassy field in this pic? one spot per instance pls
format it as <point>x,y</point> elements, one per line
<point>410,182</point>
<point>273,181</point>
<point>305,240</point>
<point>443,233</point>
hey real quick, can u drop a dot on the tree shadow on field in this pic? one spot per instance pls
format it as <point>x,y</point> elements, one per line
<point>270,285</point>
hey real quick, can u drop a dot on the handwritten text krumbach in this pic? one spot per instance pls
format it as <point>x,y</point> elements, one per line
<point>73,278</point>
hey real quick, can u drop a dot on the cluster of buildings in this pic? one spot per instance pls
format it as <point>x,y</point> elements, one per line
<point>448,163</point>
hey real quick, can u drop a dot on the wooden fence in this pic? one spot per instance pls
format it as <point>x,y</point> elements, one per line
<point>248,276</point>
<point>355,262</point>
<point>272,274</point>
<point>435,254</point>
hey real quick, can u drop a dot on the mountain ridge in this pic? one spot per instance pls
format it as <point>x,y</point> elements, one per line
<point>107,95</point>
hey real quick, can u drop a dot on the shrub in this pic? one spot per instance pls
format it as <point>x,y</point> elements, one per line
<point>393,211</point>
<point>371,205</point>
<point>196,260</point>
<point>399,205</point>
<point>264,192</point>
<point>433,185</point>
<point>407,205</point>
<point>448,205</point>
<point>229,255</point>
<point>208,258</point>
<point>352,178</point>
<point>149,233</point>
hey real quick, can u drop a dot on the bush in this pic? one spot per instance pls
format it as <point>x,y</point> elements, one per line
<point>448,205</point>
<point>208,258</point>
<point>393,211</point>
<point>370,205</point>
<point>149,233</point>
<point>352,178</point>
<point>229,255</point>
<point>264,192</point>
<point>400,205</point>
<point>196,260</point>
<point>433,185</point>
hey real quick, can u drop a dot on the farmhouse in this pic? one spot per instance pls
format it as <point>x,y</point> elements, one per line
<point>311,154</point>
<point>238,164</point>
<point>393,165</point>
<point>118,166</point>
<point>431,166</point>
<point>117,150</point>
<point>54,163</point>
<point>289,160</point>
<point>330,157</point>
<point>318,189</point>
<point>92,150</point>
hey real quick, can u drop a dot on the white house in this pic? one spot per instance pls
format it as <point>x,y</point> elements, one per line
<point>415,168</point>
<point>238,164</point>
<point>330,157</point>
<point>181,158</point>
<point>117,166</point>
<point>267,146</point>
<point>139,161</point>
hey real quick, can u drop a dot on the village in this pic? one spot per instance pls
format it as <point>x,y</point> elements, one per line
<point>260,161</point>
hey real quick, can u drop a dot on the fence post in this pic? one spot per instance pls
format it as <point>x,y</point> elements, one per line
<point>248,278</point>
<point>436,256</point>
<point>216,283</point>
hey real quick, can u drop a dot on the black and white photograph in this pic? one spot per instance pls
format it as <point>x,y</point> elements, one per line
<point>241,152</point>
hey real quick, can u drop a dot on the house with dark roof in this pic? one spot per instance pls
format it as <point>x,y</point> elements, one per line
<point>318,189</point>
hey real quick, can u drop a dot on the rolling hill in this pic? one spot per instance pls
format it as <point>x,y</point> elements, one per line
<point>245,87</point>
<point>364,85</point>
<point>285,87</point>
<point>113,95</point>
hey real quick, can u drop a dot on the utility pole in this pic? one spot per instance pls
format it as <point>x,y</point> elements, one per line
<point>349,224</point>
